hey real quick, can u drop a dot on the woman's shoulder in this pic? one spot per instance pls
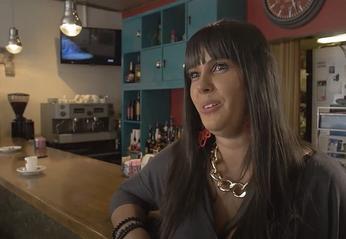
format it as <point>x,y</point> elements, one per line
<point>320,169</point>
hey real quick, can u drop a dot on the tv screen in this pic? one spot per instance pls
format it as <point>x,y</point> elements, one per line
<point>92,46</point>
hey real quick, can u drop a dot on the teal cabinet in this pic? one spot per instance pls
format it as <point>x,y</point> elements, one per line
<point>163,67</point>
<point>152,64</point>
<point>173,65</point>
<point>200,13</point>
<point>163,51</point>
<point>204,12</point>
<point>131,35</point>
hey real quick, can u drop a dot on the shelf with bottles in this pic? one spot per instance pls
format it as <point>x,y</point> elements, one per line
<point>132,68</point>
<point>132,106</point>
<point>151,30</point>
<point>160,135</point>
<point>174,24</point>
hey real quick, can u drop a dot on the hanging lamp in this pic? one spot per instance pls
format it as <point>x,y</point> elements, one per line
<point>70,24</point>
<point>14,45</point>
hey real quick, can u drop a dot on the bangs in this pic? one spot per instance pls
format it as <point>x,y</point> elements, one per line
<point>211,40</point>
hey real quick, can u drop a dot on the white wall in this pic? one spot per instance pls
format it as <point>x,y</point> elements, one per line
<point>37,68</point>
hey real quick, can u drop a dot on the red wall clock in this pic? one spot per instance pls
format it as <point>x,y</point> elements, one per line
<point>292,13</point>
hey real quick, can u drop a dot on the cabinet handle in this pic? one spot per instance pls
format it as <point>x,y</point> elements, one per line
<point>158,64</point>
<point>138,34</point>
<point>189,20</point>
<point>183,66</point>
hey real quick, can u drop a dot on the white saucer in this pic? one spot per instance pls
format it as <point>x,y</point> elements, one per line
<point>9,149</point>
<point>23,171</point>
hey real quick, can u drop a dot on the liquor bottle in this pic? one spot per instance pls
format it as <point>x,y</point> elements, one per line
<point>165,133</point>
<point>138,108</point>
<point>131,73</point>
<point>128,115</point>
<point>157,133</point>
<point>173,36</point>
<point>152,140</point>
<point>171,133</point>
<point>118,138</point>
<point>138,69</point>
<point>156,37</point>
<point>148,142</point>
<point>130,110</point>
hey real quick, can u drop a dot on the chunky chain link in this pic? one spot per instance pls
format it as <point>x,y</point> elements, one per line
<point>225,185</point>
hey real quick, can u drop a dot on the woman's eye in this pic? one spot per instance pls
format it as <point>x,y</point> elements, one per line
<point>193,75</point>
<point>219,67</point>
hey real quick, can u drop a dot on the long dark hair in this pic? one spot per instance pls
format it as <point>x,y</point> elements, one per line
<point>275,154</point>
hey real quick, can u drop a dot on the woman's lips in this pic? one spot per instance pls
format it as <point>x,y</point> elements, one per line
<point>210,107</point>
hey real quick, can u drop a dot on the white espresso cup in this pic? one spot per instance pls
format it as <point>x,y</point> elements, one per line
<point>31,163</point>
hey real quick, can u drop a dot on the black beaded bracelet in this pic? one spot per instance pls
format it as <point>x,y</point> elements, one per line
<point>122,223</point>
<point>133,225</point>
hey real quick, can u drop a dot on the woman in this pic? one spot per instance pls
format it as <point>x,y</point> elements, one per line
<point>237,172</point>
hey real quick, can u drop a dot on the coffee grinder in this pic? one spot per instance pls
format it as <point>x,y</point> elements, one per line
<point>21,127</point>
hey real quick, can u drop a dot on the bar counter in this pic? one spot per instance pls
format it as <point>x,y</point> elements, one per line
<point>74,191</point>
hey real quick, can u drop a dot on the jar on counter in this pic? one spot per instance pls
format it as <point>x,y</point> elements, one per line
<point>40,147</point>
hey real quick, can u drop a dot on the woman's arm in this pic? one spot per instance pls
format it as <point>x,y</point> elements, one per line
<point>143,192</point>
<point>130,210</point>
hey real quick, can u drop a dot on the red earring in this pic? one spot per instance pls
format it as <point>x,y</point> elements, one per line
<point>203,136</point>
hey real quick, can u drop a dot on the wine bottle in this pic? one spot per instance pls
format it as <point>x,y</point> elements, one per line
<point>138,108</point>
<point>131,111</point>
<point>138,69</point>
<point>131,73</point>
<point>128,113</point>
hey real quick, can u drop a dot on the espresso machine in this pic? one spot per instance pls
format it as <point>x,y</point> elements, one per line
<point>20,126</point>
<point>81,128</point>
<point>77,122</point>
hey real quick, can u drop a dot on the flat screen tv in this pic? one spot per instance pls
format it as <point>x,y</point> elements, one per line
<point>96,46</point>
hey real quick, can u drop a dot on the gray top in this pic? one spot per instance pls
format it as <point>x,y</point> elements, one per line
<point>324,178</point>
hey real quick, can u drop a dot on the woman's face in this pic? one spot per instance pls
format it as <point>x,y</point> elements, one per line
<point>218,93</point>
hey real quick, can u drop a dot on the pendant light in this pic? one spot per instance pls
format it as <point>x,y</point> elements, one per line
<point>14,45</point>
<point>70,23</point>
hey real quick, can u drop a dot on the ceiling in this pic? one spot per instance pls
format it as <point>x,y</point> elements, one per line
<point>113,5</point>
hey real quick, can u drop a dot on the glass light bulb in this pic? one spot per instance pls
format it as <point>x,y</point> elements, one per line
<point>14,48</point>
<point>71,30</point>
<point>14,45</point>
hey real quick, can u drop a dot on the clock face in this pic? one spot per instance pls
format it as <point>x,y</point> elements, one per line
<point>292,13</point>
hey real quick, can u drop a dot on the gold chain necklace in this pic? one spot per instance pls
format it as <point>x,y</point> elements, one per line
<point>225,185</point>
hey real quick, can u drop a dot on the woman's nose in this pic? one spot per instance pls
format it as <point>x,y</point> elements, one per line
<point>205,84</point>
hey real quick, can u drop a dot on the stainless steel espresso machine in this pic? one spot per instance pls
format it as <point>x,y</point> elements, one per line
<point>82,128</point>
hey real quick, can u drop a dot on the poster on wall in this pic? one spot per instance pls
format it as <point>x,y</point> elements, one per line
<point>328,83</point>
<point>329,75</point>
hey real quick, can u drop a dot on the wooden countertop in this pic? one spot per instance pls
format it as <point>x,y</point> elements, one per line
<point>74,190</point>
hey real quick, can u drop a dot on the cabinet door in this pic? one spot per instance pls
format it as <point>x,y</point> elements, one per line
<point>151,64</point>
<point>173,71</point>
<point>131,35</point>
<point>200,13</point>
